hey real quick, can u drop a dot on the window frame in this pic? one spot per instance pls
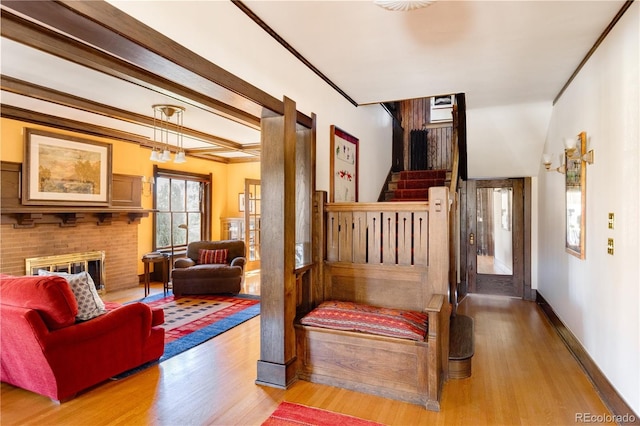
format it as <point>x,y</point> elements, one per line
<point>205,205</point>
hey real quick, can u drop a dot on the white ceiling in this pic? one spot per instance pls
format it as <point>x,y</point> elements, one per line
<point>496,52</point>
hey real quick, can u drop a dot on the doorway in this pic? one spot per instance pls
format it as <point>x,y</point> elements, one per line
<point>252,223</point>
<point>496,237</point>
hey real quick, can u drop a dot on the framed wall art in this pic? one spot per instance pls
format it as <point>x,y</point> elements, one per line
<point>343,167</point>
<point>65,170</point>
<point>575,197</point>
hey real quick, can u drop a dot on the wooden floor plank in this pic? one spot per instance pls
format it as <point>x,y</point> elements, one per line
<point>522,374</point>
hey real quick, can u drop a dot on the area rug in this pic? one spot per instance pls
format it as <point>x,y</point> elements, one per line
<point>192,320</point>
<point>290,414</point>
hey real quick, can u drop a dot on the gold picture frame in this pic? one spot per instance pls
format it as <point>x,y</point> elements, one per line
<point>575,198</point>
<point>65,170</point>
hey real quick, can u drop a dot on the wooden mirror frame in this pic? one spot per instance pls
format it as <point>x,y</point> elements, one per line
<point>575,199</point>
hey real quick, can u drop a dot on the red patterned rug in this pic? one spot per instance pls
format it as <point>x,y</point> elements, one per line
<point>289,414</point>
<point>191,320</point>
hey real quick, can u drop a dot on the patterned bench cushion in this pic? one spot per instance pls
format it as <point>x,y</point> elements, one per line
<point>350,316</point>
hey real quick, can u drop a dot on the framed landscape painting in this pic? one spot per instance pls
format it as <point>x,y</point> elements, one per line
<point>344,167</point>
<point>65,170</point>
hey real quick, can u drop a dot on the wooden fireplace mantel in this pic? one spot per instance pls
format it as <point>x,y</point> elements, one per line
<point>126,203</point>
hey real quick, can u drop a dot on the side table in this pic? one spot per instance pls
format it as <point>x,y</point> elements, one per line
<point>163,259</point>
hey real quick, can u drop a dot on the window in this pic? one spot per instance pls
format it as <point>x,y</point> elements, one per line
<point>182,201</point>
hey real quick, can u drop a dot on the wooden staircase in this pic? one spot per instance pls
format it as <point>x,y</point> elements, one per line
<point>413,185</point>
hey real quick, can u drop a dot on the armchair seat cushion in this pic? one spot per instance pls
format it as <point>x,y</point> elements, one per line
<point>206,270</point>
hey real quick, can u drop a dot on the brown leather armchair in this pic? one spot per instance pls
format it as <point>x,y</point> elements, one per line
<point>189,276</point>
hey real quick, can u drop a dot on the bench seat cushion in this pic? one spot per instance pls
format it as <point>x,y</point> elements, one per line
<point>350,316</point>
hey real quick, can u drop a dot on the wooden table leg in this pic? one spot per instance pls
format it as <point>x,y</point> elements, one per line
<point>165,276</point>
<point>146,279</point>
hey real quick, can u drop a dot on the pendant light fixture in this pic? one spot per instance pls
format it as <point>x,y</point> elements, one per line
<point>167,124</point>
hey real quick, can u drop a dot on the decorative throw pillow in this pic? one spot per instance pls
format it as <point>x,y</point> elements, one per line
<point>90,305</point>
<point>212,256</point>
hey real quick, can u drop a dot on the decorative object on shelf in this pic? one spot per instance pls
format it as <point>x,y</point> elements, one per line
<point>61,169</point>
<point>343,167</point>
<point>147,185</point>
<point>575,195</point>
<point>402,6</point>
<point>570,151</point>
<point>241,202</point>
<point>163,129</point>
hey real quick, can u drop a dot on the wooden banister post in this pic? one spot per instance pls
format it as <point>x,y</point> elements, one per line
<point>439,240</point>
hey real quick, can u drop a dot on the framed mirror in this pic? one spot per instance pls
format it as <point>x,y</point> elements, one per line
<point>575,197</point>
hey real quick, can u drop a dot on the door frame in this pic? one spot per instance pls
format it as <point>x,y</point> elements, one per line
<point>251,199</point>
<point>468,225</point>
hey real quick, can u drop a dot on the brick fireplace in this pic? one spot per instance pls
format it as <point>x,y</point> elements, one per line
<point>28,231</point>
<point>119,241</point>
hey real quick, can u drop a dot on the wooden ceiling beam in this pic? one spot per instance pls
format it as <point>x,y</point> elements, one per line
<point>35,91</point>
<point>44,39</point>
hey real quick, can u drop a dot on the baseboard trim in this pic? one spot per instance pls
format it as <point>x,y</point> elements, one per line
<point>605,389</point>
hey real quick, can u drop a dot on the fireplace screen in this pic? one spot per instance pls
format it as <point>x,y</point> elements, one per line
<point>92,262</point>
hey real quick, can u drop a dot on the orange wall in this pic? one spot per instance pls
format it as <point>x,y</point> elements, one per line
<point>131,159</point>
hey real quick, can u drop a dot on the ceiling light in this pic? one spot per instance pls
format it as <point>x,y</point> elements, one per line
<point>165,129</point>
<point>403,6</point>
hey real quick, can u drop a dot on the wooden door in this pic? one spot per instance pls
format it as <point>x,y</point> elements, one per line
<point>252,210</point>
<point>495,237</point>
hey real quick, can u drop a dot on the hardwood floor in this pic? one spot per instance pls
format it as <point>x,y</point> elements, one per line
<point>522,374</point>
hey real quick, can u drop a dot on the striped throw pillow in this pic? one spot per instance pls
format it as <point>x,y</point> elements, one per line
<point>212,256</point>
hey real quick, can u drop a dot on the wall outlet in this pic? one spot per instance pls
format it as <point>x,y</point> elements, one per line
<point>610,246</point>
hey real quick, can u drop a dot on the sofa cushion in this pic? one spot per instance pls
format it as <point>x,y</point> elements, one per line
<point>212,256</point>
<point>50,296</point>
<point>90,305</point>
<point>350,316</point>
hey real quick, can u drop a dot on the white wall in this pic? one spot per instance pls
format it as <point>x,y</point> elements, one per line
<point>506,141</point>
<point>598,298</point>
<point>222,33</point>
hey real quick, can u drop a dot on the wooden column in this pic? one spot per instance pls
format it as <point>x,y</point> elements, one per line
<point>276,366</point>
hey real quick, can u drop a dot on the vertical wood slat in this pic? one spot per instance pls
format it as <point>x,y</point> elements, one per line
<point>359,237</point>
<point>388,238</point>
<point>345,236</point>
<point>374,232</point>
<point>405,238</point>
<point>332,237</point>
<point>421,238</point>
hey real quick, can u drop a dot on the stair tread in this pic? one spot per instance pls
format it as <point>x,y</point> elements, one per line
<point>461,340</point>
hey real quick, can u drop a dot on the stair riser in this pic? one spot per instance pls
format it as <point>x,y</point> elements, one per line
<point>419,183</point>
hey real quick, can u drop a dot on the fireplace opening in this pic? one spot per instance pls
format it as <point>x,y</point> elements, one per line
<point>73,263</point>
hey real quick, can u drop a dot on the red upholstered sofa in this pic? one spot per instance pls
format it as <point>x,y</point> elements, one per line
<point>45,350</point>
